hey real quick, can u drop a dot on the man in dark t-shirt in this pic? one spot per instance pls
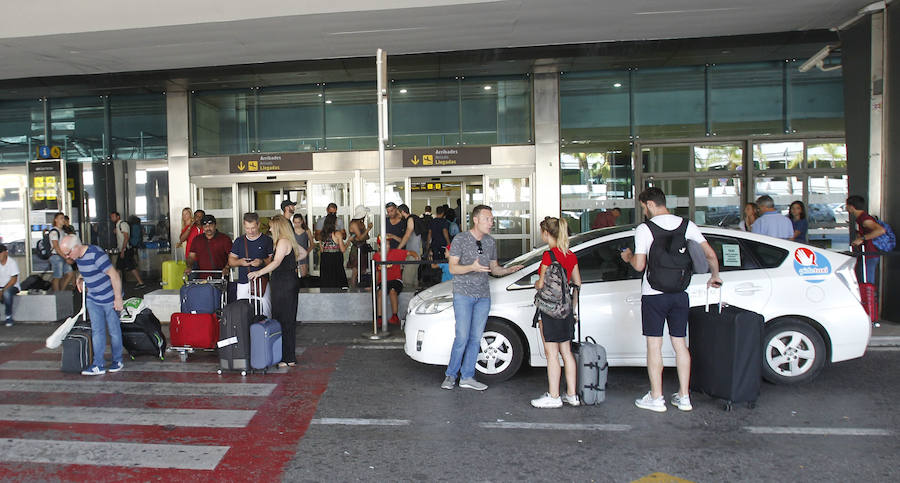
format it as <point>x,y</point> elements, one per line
<point>439,234</point>
<point>210,251</point>
<point>251,252</point>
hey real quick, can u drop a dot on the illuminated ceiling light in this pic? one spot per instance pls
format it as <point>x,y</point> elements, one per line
<point>403,91</point>
<point>487,88</point>
<point>328,101</point>
<point>617,84</point>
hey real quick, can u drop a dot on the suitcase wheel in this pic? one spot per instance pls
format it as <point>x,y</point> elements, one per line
<point>183,356</point>
<point>243,373</point>
<point>728,406</point>
<point>219,372</point>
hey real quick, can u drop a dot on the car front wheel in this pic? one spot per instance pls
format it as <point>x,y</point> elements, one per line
<point>794,352</point>
<point>501,352</point>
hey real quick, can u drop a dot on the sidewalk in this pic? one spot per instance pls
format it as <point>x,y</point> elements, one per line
<point>885,336</point>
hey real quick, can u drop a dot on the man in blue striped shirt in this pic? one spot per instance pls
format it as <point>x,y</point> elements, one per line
<point>104,300</point>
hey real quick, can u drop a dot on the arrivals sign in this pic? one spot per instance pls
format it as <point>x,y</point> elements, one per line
<point>264,163</point>
<point>441,157</point>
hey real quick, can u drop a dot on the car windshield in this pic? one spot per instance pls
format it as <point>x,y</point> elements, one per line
<point>535,255</point>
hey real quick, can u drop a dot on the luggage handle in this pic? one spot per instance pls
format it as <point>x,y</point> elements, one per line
<point>721,299</point>
<point>863,260</point>
<point>256,300</point>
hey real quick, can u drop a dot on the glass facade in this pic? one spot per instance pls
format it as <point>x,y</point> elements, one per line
<point>21,130</point>
<point>138,127</point>
<point>670,117</point>
<point>344,116</point>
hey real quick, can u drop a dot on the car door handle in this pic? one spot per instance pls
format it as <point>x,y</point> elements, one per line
<point>752,289</point>
<point>633,299</point>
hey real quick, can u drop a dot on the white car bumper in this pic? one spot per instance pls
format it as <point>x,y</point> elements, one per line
<point>429,337</point>
<point>849,329</point>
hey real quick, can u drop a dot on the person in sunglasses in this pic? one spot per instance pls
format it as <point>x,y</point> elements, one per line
<point>473,254</point>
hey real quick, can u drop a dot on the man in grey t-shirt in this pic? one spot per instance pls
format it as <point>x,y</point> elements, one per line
<point>473,254</point>
<point>332,208</point>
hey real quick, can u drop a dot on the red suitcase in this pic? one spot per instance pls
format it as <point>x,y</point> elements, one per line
<point>868,294</point>
<point>196,331</point>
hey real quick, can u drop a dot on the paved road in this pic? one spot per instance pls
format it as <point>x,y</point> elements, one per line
<point>357,410</point>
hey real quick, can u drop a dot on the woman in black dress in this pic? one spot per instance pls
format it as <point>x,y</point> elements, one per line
<point>284,285</point>
<point>331,268</point>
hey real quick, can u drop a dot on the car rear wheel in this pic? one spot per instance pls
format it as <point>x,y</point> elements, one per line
<point>794,352</point>
<point>501,352</point>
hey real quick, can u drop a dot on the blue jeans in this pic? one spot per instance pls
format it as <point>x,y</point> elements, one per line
<point>8,296</point>
<point>104,318</point>
<point>471,316</point>
<point>870,265</point>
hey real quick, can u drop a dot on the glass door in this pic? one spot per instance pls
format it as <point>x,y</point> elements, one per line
<point>321,194</point>
<point>12,214</point>
<point>219,202</point>
<point>511,200</point>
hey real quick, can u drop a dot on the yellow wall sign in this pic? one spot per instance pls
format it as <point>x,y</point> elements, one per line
<point>38,195</point>
<point>55,152</point>
<point>38,181</point>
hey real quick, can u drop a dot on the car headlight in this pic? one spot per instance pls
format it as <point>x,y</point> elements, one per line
<point>435,305</point>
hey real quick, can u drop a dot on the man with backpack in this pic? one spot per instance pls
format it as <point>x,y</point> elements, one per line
<point>867,230</point>
<point>126,261</point>
<point>660,246</point>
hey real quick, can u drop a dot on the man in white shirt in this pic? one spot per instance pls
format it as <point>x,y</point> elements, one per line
<point>9,282</point>
<point>663,297</point>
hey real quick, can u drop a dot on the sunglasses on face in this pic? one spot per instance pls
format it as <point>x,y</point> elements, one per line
<point>480,248</point>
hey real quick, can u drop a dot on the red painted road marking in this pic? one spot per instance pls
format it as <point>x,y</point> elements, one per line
<point>258,452</point>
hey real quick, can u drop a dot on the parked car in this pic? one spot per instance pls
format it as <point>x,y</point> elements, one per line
<point>809,298</point>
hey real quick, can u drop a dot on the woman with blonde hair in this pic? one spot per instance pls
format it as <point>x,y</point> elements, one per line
<point>284,285</point>
<point>558,333</point>
<point>187,221</point>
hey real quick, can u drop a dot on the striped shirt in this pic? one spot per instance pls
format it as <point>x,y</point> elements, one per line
<point>93,265</point>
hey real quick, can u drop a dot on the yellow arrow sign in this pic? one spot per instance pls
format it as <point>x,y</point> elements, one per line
<point>241,166</point>
<point>415,160</point>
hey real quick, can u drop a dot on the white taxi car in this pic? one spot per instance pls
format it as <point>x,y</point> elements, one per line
<point>808,296</point>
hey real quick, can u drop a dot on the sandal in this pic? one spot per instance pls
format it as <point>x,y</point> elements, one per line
<point>282,365</point>
<point>291,364</point>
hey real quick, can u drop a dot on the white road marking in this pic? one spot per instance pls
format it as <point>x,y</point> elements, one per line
<point>376,347</point>
<point>886,348</point>
<point>104,385</point>
<point>202,418</point>
<point>132,455</point>
<point>818,431</point>
<point>142,366</point>
<point>556,426</point>
<point>360,422</point>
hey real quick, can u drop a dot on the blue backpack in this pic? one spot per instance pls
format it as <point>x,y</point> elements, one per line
<point>886,242</point>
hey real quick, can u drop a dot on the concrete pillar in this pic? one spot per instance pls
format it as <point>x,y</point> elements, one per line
<point>177,129</point>
<point>546,144</point>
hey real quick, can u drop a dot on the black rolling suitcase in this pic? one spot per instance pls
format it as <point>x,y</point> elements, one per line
<point>234,334</point>
<point>726,352</point>
<point>76,349</point>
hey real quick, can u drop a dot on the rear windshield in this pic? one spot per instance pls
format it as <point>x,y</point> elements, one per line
<point>768,256</point>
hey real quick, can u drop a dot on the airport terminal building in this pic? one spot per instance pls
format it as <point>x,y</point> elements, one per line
<point>535,108</point>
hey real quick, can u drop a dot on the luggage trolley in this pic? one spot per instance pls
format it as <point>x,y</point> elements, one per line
<point>202,277</point>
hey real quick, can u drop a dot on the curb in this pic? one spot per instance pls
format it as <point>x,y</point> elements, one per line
<point>884,341</point>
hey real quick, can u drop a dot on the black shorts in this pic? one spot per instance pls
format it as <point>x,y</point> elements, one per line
<point>557,330</point>
<point>657,310</point>
<point>393,286</point>
<point>127,261</point>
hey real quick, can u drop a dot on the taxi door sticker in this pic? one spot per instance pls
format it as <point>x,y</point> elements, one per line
<point>811,266</point>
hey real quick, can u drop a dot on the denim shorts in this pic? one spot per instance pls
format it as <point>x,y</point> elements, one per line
<point>60,267</point>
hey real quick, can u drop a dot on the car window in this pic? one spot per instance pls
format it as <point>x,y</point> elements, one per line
<point>603,262</point>
<point>768,256</point>
<point>731,254</point>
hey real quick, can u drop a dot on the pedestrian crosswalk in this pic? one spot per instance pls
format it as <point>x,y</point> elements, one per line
<point>156,416</point>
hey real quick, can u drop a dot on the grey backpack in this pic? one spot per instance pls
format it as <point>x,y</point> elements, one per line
<point>555,297</point>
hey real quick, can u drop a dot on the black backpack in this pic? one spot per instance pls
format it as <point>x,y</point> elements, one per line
<point>419,226</point>
<point>44,246</point>
<point>669,265</point>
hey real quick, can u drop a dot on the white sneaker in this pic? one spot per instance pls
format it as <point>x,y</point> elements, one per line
<point>647,402</point>
<point>571,400</point>
<point>546,401</point>
<point>471,383</point>
<point>682,402</point>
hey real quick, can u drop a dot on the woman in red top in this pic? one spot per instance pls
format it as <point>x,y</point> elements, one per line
<point>558,333</point>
